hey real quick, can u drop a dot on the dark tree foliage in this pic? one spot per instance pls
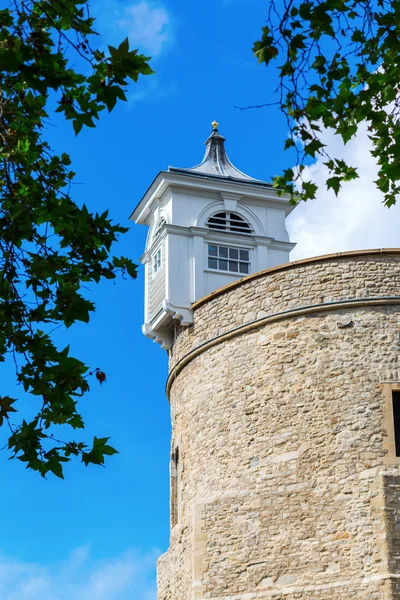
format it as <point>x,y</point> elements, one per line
<point>50,247</point>
<point>339,66</point>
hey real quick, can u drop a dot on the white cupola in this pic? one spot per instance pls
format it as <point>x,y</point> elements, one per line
<point>208,226</point>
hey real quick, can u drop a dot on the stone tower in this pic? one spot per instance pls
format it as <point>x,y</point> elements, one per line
<point>285,455</point>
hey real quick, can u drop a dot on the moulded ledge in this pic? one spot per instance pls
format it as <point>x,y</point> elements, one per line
<point>184,315</point>
<point>159,337</point>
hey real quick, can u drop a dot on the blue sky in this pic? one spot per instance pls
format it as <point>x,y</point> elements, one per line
<point>97,534</point>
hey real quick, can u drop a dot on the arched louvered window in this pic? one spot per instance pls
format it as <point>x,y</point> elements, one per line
<point>159,226</point>
<point>229,221</point>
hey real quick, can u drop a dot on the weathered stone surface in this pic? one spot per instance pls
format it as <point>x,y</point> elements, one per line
<point>286,491</point>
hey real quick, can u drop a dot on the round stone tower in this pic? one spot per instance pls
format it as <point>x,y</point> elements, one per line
<point>285,468</point>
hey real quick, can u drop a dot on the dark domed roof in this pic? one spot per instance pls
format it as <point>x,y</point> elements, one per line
<point>216,162</point>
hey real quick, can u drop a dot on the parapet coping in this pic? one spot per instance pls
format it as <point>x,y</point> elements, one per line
<point>301,311</point>
<point>292,265</point>
<point>349,303</point>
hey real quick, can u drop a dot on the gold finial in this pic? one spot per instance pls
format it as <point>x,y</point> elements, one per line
<point>214,125</point>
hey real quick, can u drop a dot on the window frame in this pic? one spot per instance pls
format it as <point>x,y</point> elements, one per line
<point>228,259</point>
<point>157,264</point>
<point>389,439</point>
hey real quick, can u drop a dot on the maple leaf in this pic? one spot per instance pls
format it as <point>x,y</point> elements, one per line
<point>5,407</point>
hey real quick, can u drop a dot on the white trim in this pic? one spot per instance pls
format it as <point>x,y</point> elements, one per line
<point>146,290</point>
<point>224,238</point>
<point>166,179</point>
<point>230,204</point>
<point>218,272</point>
<point>156,229</point>
<point>184,315</point>
<point>284,246</point>
<point>158,337</point>
<point>146,256</point>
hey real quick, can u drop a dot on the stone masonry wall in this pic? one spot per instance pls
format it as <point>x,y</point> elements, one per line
<point>287,490</point>
<point>313,281</point>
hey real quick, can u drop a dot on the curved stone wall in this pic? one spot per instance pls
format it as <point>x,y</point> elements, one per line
<point>280,402</point>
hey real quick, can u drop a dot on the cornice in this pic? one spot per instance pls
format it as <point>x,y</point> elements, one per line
<point>166,179</point>
<point>160,237</point>
<point>281,245</point>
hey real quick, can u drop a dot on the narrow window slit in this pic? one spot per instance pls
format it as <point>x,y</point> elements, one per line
<point>176,469</point>
<point>396,420</point>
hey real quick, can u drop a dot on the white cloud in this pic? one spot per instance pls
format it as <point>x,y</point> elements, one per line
<point>151,90</point>
<point>129,576</point>
<point>146,25</point>
<point>356,219</point>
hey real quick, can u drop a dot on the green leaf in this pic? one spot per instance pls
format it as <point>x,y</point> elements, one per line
<point>99,450</point>
<point>313,147</point>
<point>76,422</point>
<point>56,467</point>
<point>289,143</point>
<point>309,190</point>
<point>6,407</point>
<point>347,132</point>
<point>110,97</point>
<point>77,125</point>
<point>319,64</point>
<point>334,184</point>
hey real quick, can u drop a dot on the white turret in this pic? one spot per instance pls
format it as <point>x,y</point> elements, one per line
<point>208,226</point>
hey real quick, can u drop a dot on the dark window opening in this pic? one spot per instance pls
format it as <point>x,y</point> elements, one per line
<point>159,227</point>
<point>227,221</point>
<point>175,487</point>
<point>396,419</point>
